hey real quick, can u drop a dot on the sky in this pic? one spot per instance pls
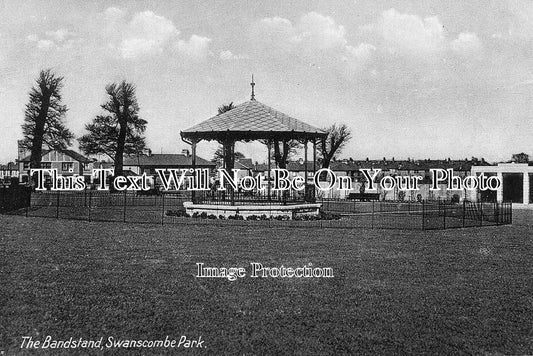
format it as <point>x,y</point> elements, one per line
<point>412,79</point>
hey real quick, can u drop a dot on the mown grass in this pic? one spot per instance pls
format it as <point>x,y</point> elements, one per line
<point>394,292</point>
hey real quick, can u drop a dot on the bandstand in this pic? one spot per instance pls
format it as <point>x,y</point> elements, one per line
<point>254,121</point>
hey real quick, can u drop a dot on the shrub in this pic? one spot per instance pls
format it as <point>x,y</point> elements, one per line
<point>329,216</point>
<point>401,195</point>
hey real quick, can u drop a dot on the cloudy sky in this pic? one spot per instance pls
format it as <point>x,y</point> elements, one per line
<point>415,79</point>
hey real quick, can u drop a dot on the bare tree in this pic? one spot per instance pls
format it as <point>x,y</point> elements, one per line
<point>119,130</point>
<point>44,117</point>
<point>337,138</point>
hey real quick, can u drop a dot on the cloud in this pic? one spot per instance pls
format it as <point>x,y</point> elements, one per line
<point>466,43</point>
<point>406,33</point>
<point>314,37</point>
<point>114,14</point>
<point>60,38</point>
<point>520,24</point>
<point>32,38</point>
<point>227,55</point>
<point>59,35</point>
<point>413,36</point>
<point>147,34</point>
<point>321,31</point>
<point>362,52</point>
<point>196,47</point>
<point>45,44</point>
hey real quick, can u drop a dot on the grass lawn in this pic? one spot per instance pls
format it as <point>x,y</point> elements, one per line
<point>461,291</point>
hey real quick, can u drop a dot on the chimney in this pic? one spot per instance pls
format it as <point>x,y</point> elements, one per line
<point>185,152</point>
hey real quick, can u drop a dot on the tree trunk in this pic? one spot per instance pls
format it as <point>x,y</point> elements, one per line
<point>119,154</point>
<point>281,154</point>
<point>37,142</point>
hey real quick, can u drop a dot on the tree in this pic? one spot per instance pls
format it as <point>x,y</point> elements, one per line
<point>44,117</point>
<point>218,156</point>
<point>337,138</point>
<point>119,130</point>
<point>283,150</point>
<point>225,107</point>
<point>520,158</point>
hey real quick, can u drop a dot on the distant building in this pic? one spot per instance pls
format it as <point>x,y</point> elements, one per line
<point>517,182</point>
<point>149,163</point>
<point>7,172</point>
<point>66,162</point>
<point>392,167</point>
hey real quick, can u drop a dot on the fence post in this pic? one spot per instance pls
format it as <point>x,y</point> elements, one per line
<point>124,215</point>
<point>90,199</point>
<point>480,213</point>
<point>464,211</point>
<point>423,216</point>
<point>57,204</point>
<point>28,203</point>
<point>163,210</point>
<point>372,214</point>
<point>444,215</point>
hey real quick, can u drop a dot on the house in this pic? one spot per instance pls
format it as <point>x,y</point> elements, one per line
<point>149,163</point>
<point>66,162</point>
<point>7,172</point>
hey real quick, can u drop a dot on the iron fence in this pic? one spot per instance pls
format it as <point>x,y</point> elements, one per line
<point>168,208</point>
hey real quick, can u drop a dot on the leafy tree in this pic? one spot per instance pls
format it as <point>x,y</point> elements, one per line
<point>218,156</point>
<point>283,150</point>
<point>337,138</point>
<point>119,130</point>
<point>225,107</point>
<point>520,158</point>
<point>44,117</point>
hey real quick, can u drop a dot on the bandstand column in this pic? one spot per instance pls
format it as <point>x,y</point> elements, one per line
<point>314,169</point>
<point>269,147</point>
<point>305,169</point>
<point>499,192</point>
<point>525,199</point>
<point>193,164</point>
<point>229,162</point>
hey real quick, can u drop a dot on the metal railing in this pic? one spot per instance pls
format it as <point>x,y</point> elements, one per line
<point>168,208</point>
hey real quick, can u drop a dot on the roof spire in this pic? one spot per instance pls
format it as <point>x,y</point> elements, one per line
<point>253,84</point>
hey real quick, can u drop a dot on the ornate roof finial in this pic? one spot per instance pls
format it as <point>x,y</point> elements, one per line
<point>253,84</point>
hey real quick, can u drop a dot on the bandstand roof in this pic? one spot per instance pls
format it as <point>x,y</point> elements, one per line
<point>252,120</point>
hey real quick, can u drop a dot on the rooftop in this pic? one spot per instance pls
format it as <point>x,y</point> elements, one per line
<point>75,155</point>
<point>165,160</point>
<point>253,118</point>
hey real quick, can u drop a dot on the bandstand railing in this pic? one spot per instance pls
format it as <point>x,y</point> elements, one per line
<point>229,197</point>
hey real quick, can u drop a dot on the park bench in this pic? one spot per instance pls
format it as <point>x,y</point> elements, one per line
<point>363,196</point>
